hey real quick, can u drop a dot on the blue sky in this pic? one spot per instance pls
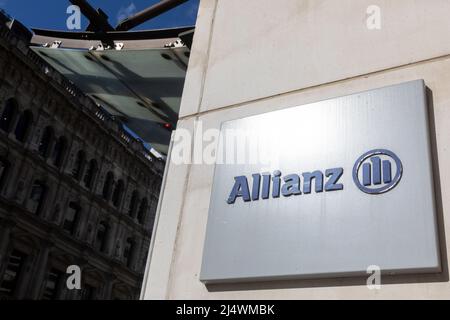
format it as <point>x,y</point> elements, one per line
<point>51,14</point>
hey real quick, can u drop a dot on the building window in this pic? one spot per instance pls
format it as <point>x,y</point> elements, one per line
<point>142,210</point>
<point>118,192</point>
<point>108,185</point>
<point>12,273</point>
<point>78,167</point>
<point>38,195</point>
<point>101,237</point>
<point>133,203</point>
<point>53,285</point>
<point>23,126</point>
<point>59,151</point>
<point>4,169</point>
<point>72,217</point>
<point>128,252</point>
<point>46,142</point>
<point>8,115</point>
<point>91,173</point>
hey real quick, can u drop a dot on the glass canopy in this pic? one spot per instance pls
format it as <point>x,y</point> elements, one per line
<point>142,87</point>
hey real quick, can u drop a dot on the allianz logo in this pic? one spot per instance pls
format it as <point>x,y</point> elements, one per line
<point>375,172</point>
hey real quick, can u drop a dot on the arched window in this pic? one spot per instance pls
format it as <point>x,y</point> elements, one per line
<point>46,142</point>
<point>128,251</point>
<point>72,218</point>
<point>91,173</point>
<point>59,151</point>
<point>4,169</point>
<point>78,167</point>
<point>133,203</point>
<point>101,237</point>
<point>117,194</point>
<point>23,126</point>
<point>107,186</point>
<point>38,195</point>
<point>8,115</point>
<point>142,210</point>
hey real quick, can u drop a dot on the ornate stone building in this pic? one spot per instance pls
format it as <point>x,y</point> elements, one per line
<point>75,187</point>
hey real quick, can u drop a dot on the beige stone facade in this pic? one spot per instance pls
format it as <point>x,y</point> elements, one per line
<point>251,57</point>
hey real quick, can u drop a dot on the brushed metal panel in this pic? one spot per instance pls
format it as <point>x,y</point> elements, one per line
<point>329,234</point>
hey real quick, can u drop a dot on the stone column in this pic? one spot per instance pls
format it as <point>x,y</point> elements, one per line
<point>136,207</point>
<point>111,240</point>
<point>26,276</point>
<point>108,287</point>
<point>135,253</point>
<point>4,246</point>
<point>151,212</point>
<point>83,221</point>
<point>40,271</point>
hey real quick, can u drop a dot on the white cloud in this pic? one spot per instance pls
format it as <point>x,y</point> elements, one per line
<point>126,12</point>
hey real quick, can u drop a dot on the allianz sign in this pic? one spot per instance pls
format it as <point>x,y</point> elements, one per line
<point>350,185</point>
<point>372,174</point>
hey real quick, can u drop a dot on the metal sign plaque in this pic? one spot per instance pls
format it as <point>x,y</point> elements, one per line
<point>347,185</point>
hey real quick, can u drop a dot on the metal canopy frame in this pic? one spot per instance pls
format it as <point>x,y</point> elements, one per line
<point>146,102</point>
<point>97,18</point>
<point>100,29</point>
<point>115,35</point>
<point>148,14</point>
